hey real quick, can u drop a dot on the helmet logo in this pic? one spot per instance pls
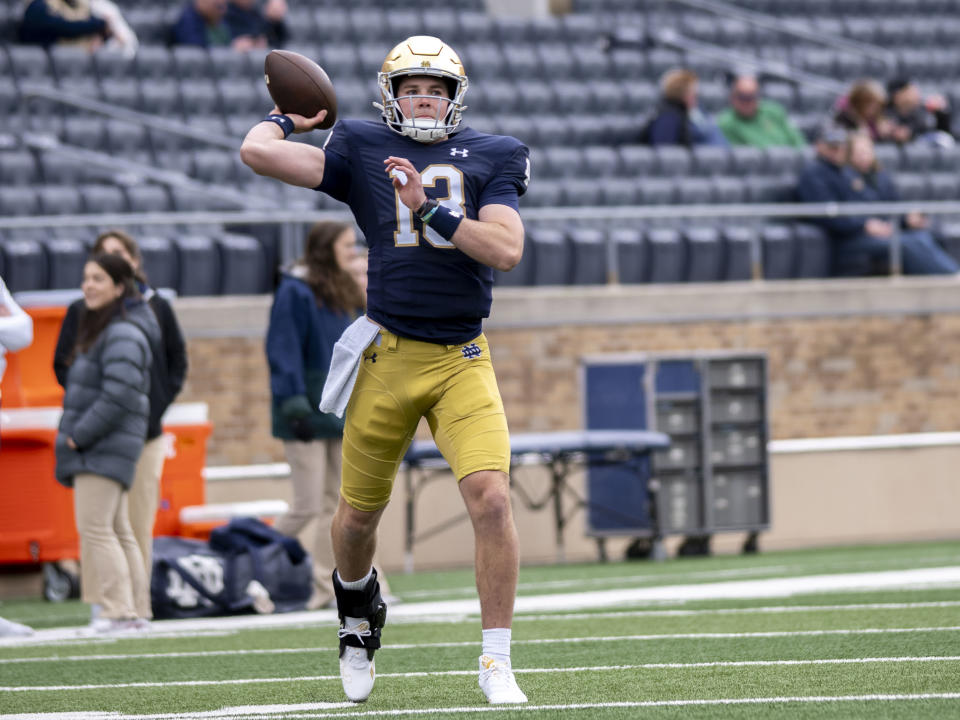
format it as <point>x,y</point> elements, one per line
<point>425,63</point>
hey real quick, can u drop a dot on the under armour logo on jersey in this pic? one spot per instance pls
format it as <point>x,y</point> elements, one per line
<point>471,351</point>
<point>372,358</point>
<point>462,153</point>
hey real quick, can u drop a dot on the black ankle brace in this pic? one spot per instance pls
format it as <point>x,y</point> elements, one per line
<point>363,603</point>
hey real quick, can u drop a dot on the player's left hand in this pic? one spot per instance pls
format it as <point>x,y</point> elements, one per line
<point>410,191</point>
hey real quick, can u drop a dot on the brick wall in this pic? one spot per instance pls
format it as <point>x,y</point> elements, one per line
<point>835,367</point>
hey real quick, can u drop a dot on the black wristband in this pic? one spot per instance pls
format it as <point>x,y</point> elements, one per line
<point>285,123</point>
<point>425,211</point>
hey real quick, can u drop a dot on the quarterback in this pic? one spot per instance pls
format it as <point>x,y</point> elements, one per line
<point>438,205</point>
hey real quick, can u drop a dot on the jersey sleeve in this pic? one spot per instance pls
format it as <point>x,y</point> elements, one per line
<point>510,182</point>
<point>336,166</point>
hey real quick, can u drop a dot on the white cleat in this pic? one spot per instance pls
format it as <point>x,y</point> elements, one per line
<point>357,671</point>
<point>498,683</point>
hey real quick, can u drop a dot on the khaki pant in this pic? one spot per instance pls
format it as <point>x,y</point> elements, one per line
<point>142,500</point>
<point>111,565</point>
<point>315,475</point>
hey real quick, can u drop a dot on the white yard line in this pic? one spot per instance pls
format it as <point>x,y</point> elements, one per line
<point>271,712</point>
<point>530,671</point>
<point>766,609</point>
<point>940,577</point>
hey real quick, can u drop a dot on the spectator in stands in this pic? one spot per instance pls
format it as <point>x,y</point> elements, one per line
<point>861,109</point>
<point>915,117</point>
<point>261,27</point>
<point>204,23</point>
<point>167,373</point>
<point>752,120</point>
<point>90,23</point>
<point>678,120</point>
<point>314,303</point>
<point>101,434</point>
<point>921,253</point>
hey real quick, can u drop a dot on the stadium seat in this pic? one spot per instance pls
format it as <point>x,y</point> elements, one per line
<point>911,186</point>
<point>191,62</point>
<point>607,96</point>
<point>573,96</point>
<point>151,22</point>
<point>523,62</point>
<point>112,65</point>
<point>30,63</point>
<point>660,60</point>
<point>199,265</point>
<point>638,96</point>
<point>813,251</point>
<point>155,62</point>
<point>693,190</point>
<point>630,249</point>
<point>160,97</point>
<point>18,200</point>
<point>617,191</point>
<point>543,192</point>
<point>563,162</point>
<point>943,186</point>
<point>403,22</point>
<point>590,62</point>
<point>103,199</point>
<point>471,25</point>
<point>556,56</point>
<point>919,157</point>
<point>551,256</point>
<point>65,260</point>
<point>535,98</point>
<point>637,160</point>
<point>18,167</point>
<point>85,131</point>
<point>214,166</point>
<point>666,255</point>
<point>600,161</point>
<point>59,200</point>
<point>948,235</point>
<point>225,62</point>
<point>9,96</point>
<point>710,160</point>
<point>672,160</point>
<point>728,189</point>
<point>125,138</point>
<point>747,160</point>
<point>148,199</point>
<point>160,261</point>
<point>71,63</point>
<point>704,254</point>
<point>121,91</point>
<point>581,191</point>
<point>654,190</point>
<point>199,97</point>
<point>778,252</point>
<point>589,256</point>
<point>25,265</point>
<point>784,159</point>
<point>242,267</point>
<point>739,242</point>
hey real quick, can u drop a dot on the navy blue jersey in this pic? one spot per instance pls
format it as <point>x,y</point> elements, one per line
<point>420,285</point>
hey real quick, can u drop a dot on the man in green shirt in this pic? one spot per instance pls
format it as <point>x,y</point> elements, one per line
<point>752,121</point>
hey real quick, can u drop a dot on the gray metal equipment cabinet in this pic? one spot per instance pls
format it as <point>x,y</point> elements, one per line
<point>714,477</point>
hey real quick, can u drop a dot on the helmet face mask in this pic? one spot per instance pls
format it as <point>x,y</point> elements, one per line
<point>427,57</point>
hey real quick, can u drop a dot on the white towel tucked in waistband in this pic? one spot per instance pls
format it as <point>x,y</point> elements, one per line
<point>345,364</point>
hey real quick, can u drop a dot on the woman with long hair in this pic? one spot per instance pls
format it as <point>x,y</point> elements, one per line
<point>105,414</point>
<point>315,301</point>
<point>167,373</point>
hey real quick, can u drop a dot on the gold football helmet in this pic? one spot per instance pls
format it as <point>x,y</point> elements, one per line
<point>422,55</point>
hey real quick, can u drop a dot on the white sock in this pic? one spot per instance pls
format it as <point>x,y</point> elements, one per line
<point>496,644</point>
<point>352,622</point>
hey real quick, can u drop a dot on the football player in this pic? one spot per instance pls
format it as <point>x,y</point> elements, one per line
<point>437,203</point>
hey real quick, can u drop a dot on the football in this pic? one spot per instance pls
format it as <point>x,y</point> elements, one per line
<point>298,85</point>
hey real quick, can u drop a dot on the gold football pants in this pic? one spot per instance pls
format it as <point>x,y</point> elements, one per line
<point>402,380</point>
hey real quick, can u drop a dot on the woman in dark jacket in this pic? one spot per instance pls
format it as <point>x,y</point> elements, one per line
<point>314,303</point>
<point>167,374</point>
<point>101,435</point>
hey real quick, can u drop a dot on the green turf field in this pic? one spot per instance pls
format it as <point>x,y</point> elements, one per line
<point>887,650</point>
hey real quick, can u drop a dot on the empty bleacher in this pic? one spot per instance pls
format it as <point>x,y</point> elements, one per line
<point>565,85</point>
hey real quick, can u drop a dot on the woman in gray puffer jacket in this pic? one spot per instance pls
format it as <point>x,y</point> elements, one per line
<point>102,431</point>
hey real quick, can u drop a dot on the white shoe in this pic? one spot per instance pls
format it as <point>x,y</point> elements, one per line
<point>357,673</point>
<point>113,625</point>
<point>498,683</point>
<point>9,628</point>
